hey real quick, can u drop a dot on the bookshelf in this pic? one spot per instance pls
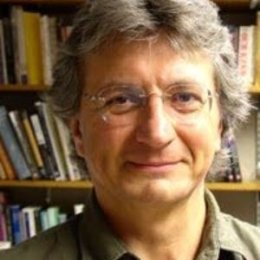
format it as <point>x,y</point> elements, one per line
<point>23,88</point>
<point>24,189</point>
<point>216,186</point>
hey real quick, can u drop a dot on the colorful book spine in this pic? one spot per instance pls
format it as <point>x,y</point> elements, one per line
<point>19,129</point>
<point>12,146</point>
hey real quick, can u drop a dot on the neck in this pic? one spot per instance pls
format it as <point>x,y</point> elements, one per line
<point>161,232</point>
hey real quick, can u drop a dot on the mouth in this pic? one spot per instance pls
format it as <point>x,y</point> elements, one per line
<point>152,167</point>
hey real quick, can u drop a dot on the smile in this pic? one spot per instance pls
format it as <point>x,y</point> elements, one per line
<point>152,167</point>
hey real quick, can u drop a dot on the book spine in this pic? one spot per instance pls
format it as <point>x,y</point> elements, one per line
<point>9,139</point>
<point>4,76</point>
<point>46,156</point>
<point>9,52</point>
<point>33,144</point>
<point>257,54</point>
<point>23,141</point>
<point>30,221</point>
<point>246,54</point>
<point>257,144</point>
<point>39,107</point>
<point>32,38</point>
<point>55,142</point>
<point>66,144</point>
<point>3,175</point>
<point>6,162</point>
<point>18,35</point>
<point>15,222</point>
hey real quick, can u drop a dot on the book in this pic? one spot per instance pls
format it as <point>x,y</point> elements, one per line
<point>20,131</point>
<point>32,36</point>
<point>54,140</point>
<point>257,54</point>
<point>15,223</point>
<point>49,43</point>
<point>9,51</point>
<point>30,221</point>
<point>33,145</point>
<point>2,172</point>
<point>246,54</point>
<point>19,44</point>
<point>46,156</point>
<point>48,147</point>
<point>12,146</point>
<point>3,224</point>
<point>257,144</point>
<point>235,170</point>
<point>6,162</point>
<point>66,143</point>
<point>5,245</point>
<point>53,216</point>
<point>3,65</point>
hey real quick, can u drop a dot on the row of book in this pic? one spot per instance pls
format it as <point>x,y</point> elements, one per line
<point>36,146</point>
<point>231,170</point>
<point>246,42</point>
<point>18,223</point>
<point>28,46</point>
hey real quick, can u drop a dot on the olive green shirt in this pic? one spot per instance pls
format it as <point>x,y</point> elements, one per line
<point>87,236</point>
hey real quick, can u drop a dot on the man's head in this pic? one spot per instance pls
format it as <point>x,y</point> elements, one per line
<point>115,32</point>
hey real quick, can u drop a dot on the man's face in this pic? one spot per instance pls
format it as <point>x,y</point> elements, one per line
<point>154,159</point>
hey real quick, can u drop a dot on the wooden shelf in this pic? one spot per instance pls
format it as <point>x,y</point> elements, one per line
<point>22,88</point>
<point>220,186</point>
<point>222,3</point>
<point>43,2</point>
<point>242,186</point>
<point>46,184</point>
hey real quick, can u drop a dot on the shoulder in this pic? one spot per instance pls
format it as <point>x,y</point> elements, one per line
<point>56,243</point>
<point>239,236</point>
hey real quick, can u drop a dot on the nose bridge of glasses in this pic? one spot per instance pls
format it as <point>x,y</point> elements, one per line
<point>155,108</point>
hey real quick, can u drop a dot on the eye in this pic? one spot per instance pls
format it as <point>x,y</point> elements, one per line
<point>186,101</point>
<point>120,101</point>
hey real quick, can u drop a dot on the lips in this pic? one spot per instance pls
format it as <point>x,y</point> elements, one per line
<point>152,167</point>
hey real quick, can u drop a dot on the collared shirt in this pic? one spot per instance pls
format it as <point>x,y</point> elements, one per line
<point>89,237</point>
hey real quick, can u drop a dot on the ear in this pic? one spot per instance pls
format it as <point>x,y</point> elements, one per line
<point>76,132</point>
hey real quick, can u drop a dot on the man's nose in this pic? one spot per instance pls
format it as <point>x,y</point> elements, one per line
<point>155,128</point>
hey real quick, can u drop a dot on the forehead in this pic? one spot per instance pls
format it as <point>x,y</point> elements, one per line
<point>151,61</point>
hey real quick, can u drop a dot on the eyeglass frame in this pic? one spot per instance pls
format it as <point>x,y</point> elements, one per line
<point>98,97</point>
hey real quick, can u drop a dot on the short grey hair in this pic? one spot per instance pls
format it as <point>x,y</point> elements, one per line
<point>189,25</point>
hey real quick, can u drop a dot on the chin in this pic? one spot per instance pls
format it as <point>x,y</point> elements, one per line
<point>161,192</point>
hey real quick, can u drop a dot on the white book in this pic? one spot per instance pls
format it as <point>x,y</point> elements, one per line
<point>46,50</point>
<point>30,221</point>
<point>246,53</point>
<point>78,208</point>
<point>66,144</point>
<point>18,35</point>
<point>55,142</point>
<point>5,245</point>
<point>53,216</point>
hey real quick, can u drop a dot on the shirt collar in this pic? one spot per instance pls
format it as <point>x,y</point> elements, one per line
<point>96,236</point>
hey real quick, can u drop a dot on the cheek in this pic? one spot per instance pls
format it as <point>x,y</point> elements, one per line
<point>103,147</point>
<point>203,142</point>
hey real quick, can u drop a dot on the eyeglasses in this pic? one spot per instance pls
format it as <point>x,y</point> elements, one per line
<point>123,105</point>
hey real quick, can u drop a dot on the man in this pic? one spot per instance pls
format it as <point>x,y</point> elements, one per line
<point>148,89</point>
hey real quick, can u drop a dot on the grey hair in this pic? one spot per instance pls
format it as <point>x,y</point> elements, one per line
<point>188,25</point>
